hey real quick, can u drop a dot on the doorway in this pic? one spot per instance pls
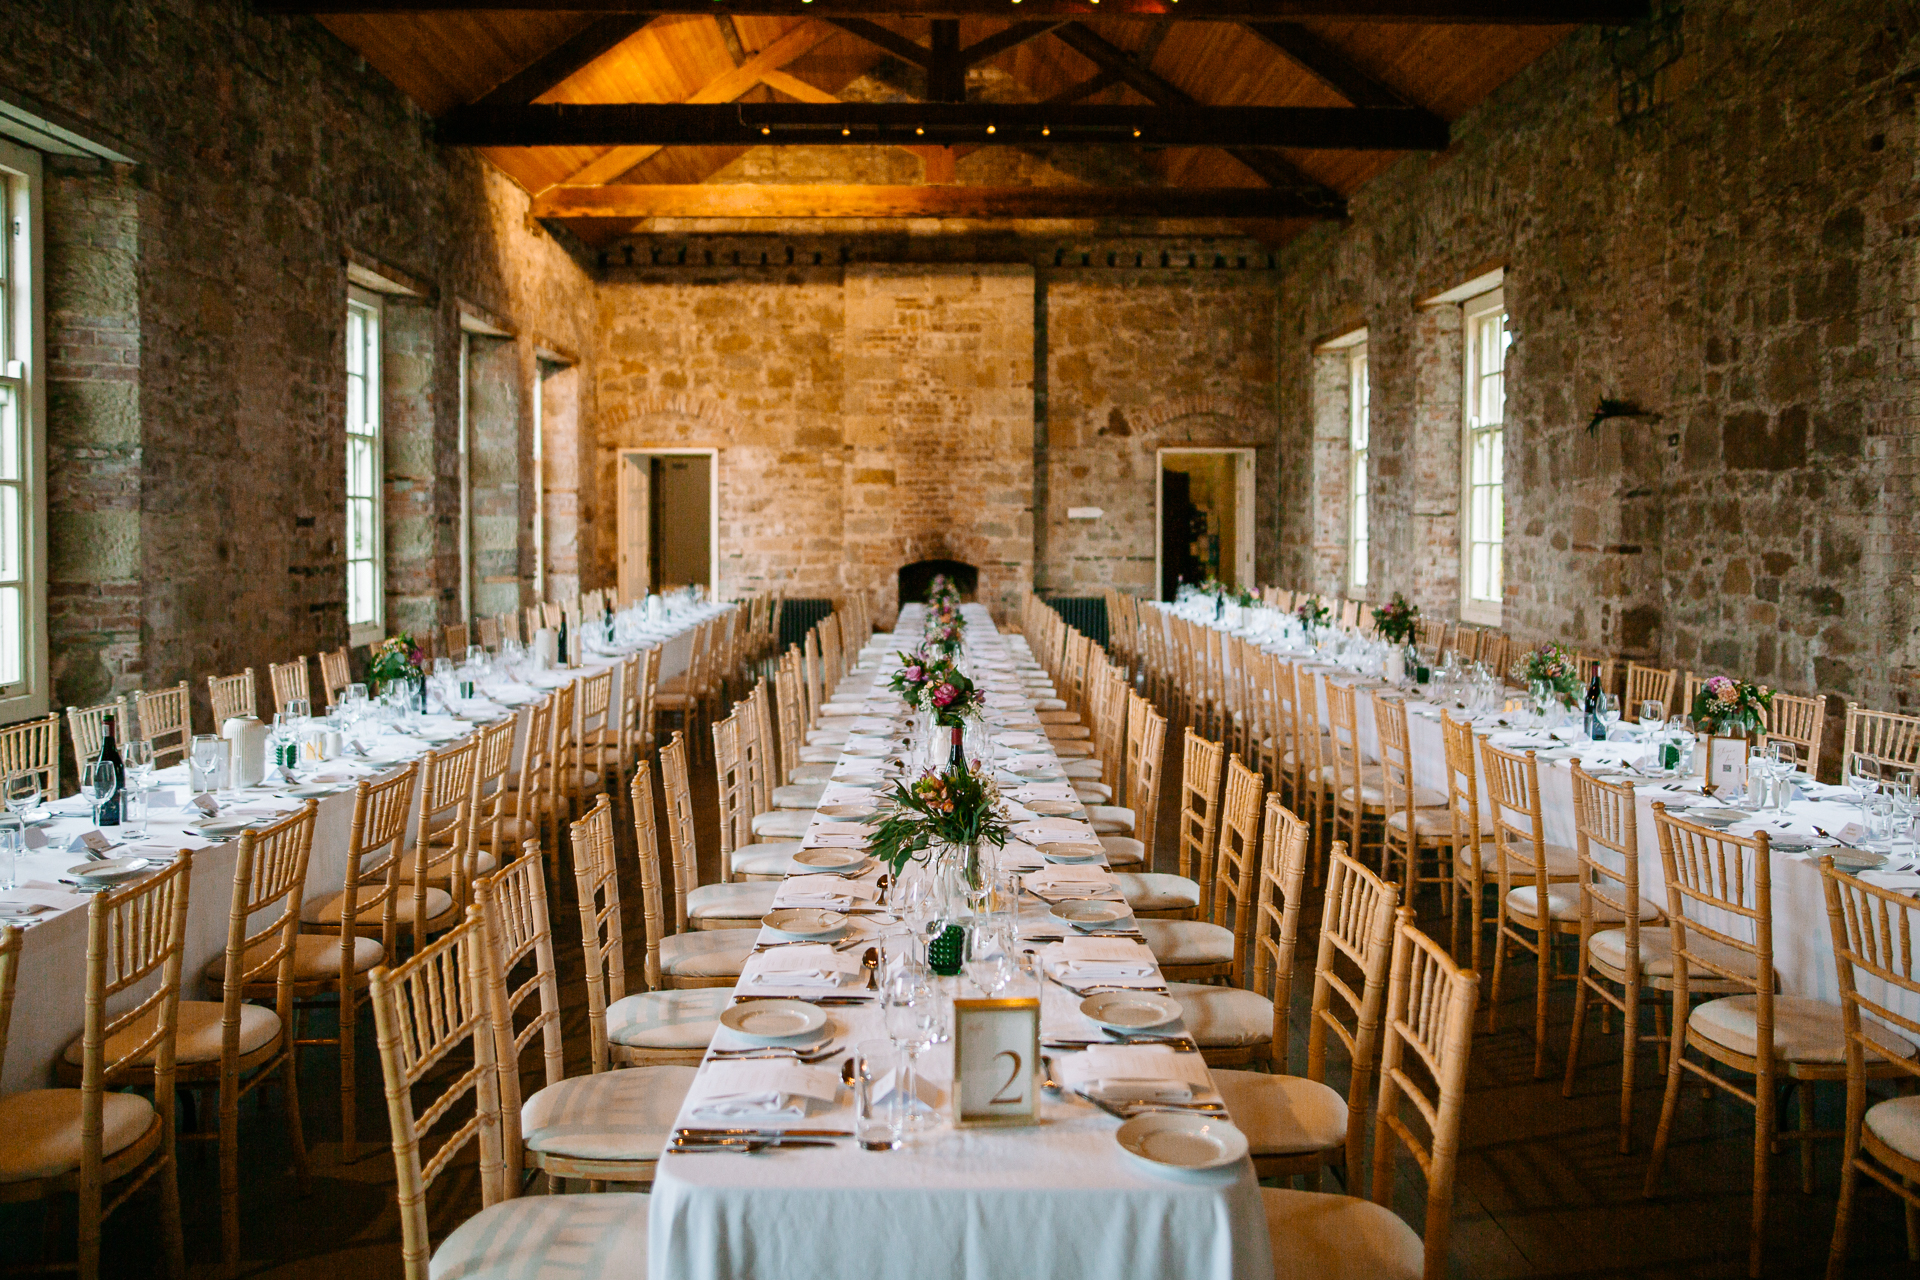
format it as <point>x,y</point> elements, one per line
<point>669,518</point>
<point>1205,503</point>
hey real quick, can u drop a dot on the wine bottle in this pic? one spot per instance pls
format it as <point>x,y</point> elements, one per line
<point>110,754</point>
<point>560,648</point>
<point>957,757</point>
<point>1596,727</point>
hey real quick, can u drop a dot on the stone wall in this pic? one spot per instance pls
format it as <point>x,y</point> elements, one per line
<point>1734,257</point>
<point>196,307</point>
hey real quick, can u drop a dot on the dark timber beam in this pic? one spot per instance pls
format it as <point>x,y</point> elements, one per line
<point>559,63</point>
<point>748,200</point>
<point>946,74</point>
<point>885,38</point>
<point>1327,64</point>
<point>864,124</point>
<point>995,45</point>
<point>1545,13</point>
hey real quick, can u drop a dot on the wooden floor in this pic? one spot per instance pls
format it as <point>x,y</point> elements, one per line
<point>1542,1188</point>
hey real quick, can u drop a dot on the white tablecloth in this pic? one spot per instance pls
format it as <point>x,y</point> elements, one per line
<point>1058,1200</point>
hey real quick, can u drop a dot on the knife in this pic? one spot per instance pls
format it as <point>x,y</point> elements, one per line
<point>695,1132</point>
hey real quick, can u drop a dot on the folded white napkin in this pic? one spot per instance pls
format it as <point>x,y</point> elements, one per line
<point>1134,1073</point>
<point>1070,880</point>
<point>761,1088</point>
<point>836,892</point>
<point>814,966</point>
<point>1043,791</point>
<point>1097,958</point>
<point>1020,854</point>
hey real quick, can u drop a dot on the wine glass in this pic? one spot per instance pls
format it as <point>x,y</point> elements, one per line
<point>98,781</point>
<point>912,1018</point>
<point>988,962</point>
<point>22,793</point>
<point>209,751</point>
<point>136,760</point>
<point>1653,712</point>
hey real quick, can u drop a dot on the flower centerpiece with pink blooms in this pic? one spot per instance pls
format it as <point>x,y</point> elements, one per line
<point>941,592</point>
<point>1312,614</point>
<point>945,629</point>
<point>1397,620</point>
<point>951,696</point>
<point>1724,703</point>
<point>396,659</point>
<point>1554,667</point>
<point>915,672</point>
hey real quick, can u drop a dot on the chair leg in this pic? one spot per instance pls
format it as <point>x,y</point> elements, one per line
<point>1669,1103</point>
<point>1806,1141</point>
<point>1763,1128</point>
<point>347,1100</point>
<point>1843,1212</point>
<point>172,1236</point>
<point>229,1166</point>
<point>1543,987</point>
<point>1580,989</point>
<point>296,1130</point>
<point>1499,964</point>
<point>1629,1060</point>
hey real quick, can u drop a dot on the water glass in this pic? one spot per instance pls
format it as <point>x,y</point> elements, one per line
<point>990,962</point>
<point>98,781</point>
<point>13,847</point>
<point>133,813</point>
<point>1880,819</point>
<point>877,1125</point>
<point>208,763</point>
<point>913,1024</point>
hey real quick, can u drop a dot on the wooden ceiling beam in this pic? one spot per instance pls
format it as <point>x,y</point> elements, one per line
<point>995,45</point>
<point>1276,171</point>
<point>733,124</point>
<point>559,63</point>
<point>1325,62</point>
<point>835,200</point>
<point>1551,13</point>
<point>886,38</point>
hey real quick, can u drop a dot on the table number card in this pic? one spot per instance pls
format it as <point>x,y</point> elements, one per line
<point>1727,766</point>
<point>996,1060</point>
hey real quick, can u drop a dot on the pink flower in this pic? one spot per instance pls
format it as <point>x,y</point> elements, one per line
<point>915,675</point>
<point>944,695</point>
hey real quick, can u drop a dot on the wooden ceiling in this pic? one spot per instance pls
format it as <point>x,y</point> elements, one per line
<point>477,68</point>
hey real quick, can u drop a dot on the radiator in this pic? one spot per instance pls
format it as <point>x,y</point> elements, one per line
<point>1086,613</point>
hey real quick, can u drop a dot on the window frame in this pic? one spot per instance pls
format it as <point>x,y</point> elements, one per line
<point>22,360</point>
<point>1474,312</point>
<point>373,393</point>
<point>1359,476</point>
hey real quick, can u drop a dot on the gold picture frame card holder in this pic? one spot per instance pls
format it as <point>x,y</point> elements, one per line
<point>996,1062</point>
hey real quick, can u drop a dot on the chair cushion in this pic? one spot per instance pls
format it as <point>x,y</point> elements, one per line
<point>812,771</point>
<point>1157,891</point>
<point>40,1130</point>
<point>1562,862</point>
<point>1282,1115</point>
<point>1656,953</point>
<point>799,795</point>
<point>783,824</point>
<point>1066,732</point>
<point>1223,1017</point>
<point>1068,749</point>
<point>706,953</point>
<point>595,1237</point>
<point>1188,941</point>
<point>1111,819</point>
<point>1089,792</point>
<point>197,1037</point>
<point>674,1019</point>
<point>827,738</point>
<point>624,1114</point>
<point>442,873</point>
<point>1369,776</point>
<point>1896,1122</point>
<point>773,858</point>
<point>1563,905</point>
<point>737,901</point>
<point>1428,824</point>
<point>315,956</point>
<point>1373,791</point>
<point>1083,768</point>
<point>1319,1236</point>
<point>327,910</point>
<point>827,755</point>
<point>1124,851</point>
<point>1055,715</point>
<point>1049,704</point>
<point>1803,1030</point>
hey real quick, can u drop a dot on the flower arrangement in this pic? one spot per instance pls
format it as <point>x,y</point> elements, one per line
<point>1245,598</point>
<point>942,591</point>
<point>1726,703</point>
<point>910,680</point>
<point>1312,614</point>
<point>1397,620</point>
<point>951,697</point>
<point>1554,666</point>
<point>959,807</point>
<point>395,658</point>
<point>945,629</point>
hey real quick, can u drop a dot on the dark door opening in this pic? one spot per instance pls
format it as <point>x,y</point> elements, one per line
<point>679,550</point>
<point>1181,525</point>
<point>915,578</point>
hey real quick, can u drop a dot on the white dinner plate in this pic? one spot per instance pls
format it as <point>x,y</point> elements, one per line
<point>109,870</point>
<point>774,1021</point>
<point>868,776</point>
<point>831,859</point>
<point>217,828</point>
<point>1719,817</point>
<point>1091,913</point>
<point>309,791</point>
<point>1858,859</point>
<point>1022,739</point>
<point>859,812</point>
<point>1167,1142</point>
<point>1053,808</point>
<point>1061,852</point>
<point>1786,843</point>
<point>806,922</point>
<point>1130,1010</point>
<point>868,748</point>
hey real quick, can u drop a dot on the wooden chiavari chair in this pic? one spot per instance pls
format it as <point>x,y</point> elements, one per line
<point>1216,947</point>
<point>336,673</point>
<point>289,680</point>
<point>87,727</point>
<point>803,763</point>
<point>1429,1019</point>
<point>1873,931</point>
<point>1623,939</point>
<point>772,790</point>
<point>694,957</point>
<point>232,696</point>
<point>1153,894</point>
<point>1496,653</point>
<point>33,746</point>
<point>1537,896</point>
<point>363,919</point>
<point>728,904</point>
<point>432,1020</point>
<point>748,738</point>
<point>456,634</point>
<point>609,1126</point>
<point>1649,684</point>
<point>684,694</point>
<point>1717,876</point>
<point>83,1141</point>
<point>658,1025</point>
<point>584,771</point>
<point>1689,690</point>
<point>489,629</point>
<point>521,814</point>
<point>509,623</point>
<point>1418,820</point>
<point>1357,786</point>
<point>442,853</point>
<point>1202,768</point>
<point>166,723</point>
<point>1297,1124</point>
<point>1475,857</point>
<point>1801,723</point>
<point>253,1044</point>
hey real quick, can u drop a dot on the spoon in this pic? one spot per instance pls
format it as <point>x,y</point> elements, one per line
<point>871,959</point>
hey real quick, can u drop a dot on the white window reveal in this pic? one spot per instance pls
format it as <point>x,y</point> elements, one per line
<point>366,561</point>
<point>1357,409</point>
<point>23,666</point>
<point>1484,456</point>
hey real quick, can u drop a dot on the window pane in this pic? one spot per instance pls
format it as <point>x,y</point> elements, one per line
<point>9,428</point>
<point>12,653</point>
<point>10,532</point>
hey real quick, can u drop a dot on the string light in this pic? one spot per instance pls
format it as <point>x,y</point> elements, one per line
<point>846,133</point>
<point>989,128</point>
<point>766,129</point>
<point>1045,132</point>
<point>919,129</point>
<point>1136,133</point>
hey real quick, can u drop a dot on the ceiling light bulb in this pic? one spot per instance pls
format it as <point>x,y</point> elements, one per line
<point>989,128</point>
<point>919,129</point>
<point>1136,133</point>
<point>1045,132</point>
<point>765,129</point>
<point>846,133</point>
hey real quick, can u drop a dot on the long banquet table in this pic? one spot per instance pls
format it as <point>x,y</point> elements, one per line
<point>49,1007</point>
<point>1059,1199</point>
<point>1803,945</point>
